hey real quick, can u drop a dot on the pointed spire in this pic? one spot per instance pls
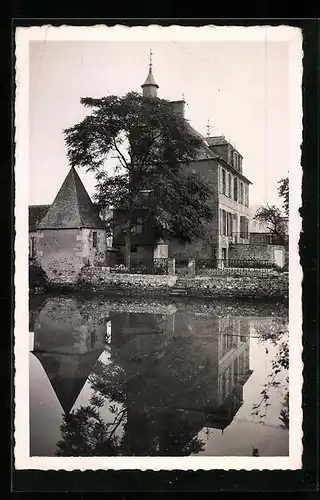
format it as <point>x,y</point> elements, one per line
<point>149,88</point>
<point>72,207</point>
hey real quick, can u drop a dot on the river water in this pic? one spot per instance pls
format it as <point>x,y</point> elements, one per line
<point>157,378</point>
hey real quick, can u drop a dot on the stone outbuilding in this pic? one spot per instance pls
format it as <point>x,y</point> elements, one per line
<point>71,234</point>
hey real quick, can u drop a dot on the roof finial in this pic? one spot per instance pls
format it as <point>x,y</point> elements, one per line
<point>150,59</point>
<point>150,87</point>
<point>208,128</point>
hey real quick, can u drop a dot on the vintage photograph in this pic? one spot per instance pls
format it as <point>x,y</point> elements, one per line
<point>157,276</point>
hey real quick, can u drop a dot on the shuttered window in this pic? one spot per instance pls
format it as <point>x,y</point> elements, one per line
<point>224,190</point>
<point>230,186</point>
<point>94,239</point>
<point>235,189</point>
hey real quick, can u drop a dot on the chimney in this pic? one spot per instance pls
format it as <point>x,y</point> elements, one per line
<point>178,107</point>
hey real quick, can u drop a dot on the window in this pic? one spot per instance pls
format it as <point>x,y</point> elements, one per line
<point>220,179</point>
<point>94,239</point>
<point>235,189</point>
<point>230,186</point>
<point>235,160</point>
<point>241,192</point>
<point>229,154</point>
<point>224,222</point>
<point>33,247</point>
<point>234,223</point>
<point>227,184</point>
<point>241,227</point>
<point>229,224</point>
<point>246,195</point>
<point>221,221</point>
<point>244,227</point>
<point>224,181</point>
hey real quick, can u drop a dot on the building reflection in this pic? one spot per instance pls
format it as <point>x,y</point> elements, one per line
<point>171,373</point>
<point>67,343</point>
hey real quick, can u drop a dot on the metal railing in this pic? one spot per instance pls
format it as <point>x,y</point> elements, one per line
<point>233,266</point>
<point>154,266</point>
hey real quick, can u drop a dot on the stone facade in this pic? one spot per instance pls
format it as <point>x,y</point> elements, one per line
<point>63,252</point>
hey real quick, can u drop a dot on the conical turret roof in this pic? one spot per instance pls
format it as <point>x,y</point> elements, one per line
<point>150,79</point>
<point>72,207</point>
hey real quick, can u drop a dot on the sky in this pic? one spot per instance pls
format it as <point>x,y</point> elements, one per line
<point>241,87</point>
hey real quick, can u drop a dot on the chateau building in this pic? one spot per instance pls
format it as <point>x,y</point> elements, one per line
<point>71,233</point>
<point>221,165</point>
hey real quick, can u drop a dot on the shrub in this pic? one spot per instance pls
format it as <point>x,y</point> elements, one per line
<point>37,276</point>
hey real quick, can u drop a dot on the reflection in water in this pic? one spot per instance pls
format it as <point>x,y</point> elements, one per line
<point>152,382</point>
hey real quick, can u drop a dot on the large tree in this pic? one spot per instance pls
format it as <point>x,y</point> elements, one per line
<point>272,218</point>
<point>151,146</point>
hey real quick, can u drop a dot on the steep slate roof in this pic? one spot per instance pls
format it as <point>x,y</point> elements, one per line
<point>205,152</point>
<point>72,207</point>
<point>36,214</point>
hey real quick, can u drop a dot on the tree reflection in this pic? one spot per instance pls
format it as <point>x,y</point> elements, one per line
<point>274,330</point>
<point>164,378</point>
<point>86,434</point>
<point>161,390</point>
<point>142,396</point>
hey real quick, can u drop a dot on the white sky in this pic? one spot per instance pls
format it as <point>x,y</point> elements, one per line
<point>241,86</point>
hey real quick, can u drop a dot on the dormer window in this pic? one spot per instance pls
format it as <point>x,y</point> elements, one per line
<point>234,160</point>
<point>240,166</point>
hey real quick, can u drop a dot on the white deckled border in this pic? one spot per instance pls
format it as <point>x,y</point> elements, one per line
<point>153,32</point>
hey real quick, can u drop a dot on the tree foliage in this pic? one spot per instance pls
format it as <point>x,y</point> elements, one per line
<point>283,191</point>
<point>271,216</point>
<point>275,332</point>
<point>151,146</point>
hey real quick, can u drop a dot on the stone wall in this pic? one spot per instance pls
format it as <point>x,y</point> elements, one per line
<point>100,279</point>
<point>274,287</point>
<point>250,252</point>
<point>275,254</point>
